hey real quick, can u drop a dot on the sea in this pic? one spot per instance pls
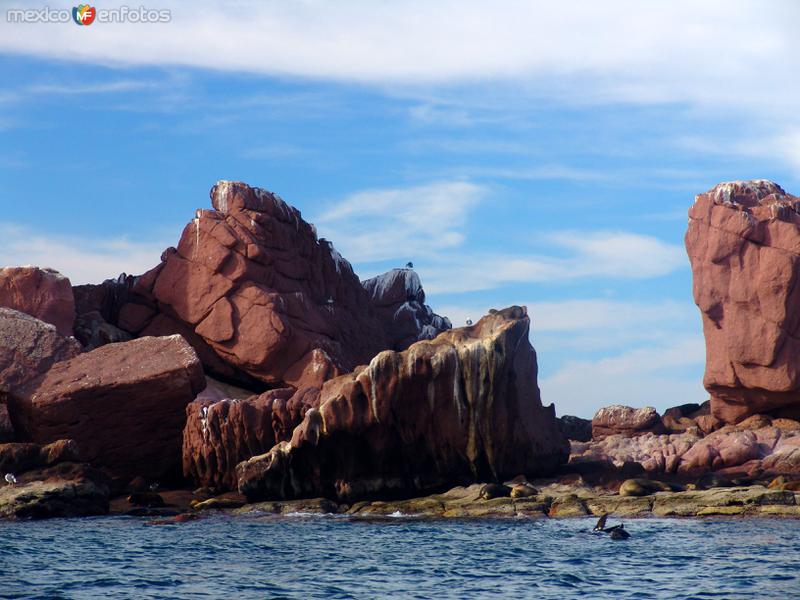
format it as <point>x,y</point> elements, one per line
<point>311,556</point>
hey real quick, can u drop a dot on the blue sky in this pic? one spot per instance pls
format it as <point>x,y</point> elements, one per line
<point>516,153</point>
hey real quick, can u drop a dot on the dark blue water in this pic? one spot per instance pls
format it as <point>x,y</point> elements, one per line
<point>335,557</point>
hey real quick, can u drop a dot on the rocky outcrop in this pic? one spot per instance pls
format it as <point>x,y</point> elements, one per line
<point>41,293</point>
<point>219,434</point>
<point>50,481</point>
<point>758,446</point>
<point>124,404</point>
<point>460,408</point>
<point>399,300</point>
<point>260,297</point>
<point>743,242</point>
<point>28,348</point>
<point>626,421</point>
<point>255,284</point>
<point>575,428</point>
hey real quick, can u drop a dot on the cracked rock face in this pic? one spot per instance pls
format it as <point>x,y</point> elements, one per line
<point>462,407</point>
<point>258,295</point>
<point>743,242</point>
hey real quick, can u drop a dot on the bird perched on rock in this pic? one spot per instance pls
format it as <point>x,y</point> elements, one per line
<point>617,532</point>
<point>409,265</point>
<point>11,479</point>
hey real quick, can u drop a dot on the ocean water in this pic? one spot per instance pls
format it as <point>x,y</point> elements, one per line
<point>258,556</point>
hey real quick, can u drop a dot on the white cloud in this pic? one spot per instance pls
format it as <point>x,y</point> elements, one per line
<point>707,53</point>
<point>638,377</point>
<point>83,260</point>
<point>610,255</point>
<point>376,225</point>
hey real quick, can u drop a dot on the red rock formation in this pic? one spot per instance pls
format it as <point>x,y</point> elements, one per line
<point>28,348</point>
<point>463,407</point>
<point>758,446</point>
<point>743,242</point>
<point>624,420</point>
<point>124,404</point>
<point>41,293</point>
<point>221,434</point>
<point>259,296</point>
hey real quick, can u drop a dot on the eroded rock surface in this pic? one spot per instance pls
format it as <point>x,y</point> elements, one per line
<point>758,446</point>
<point>743,242</point>
<point>460,408</point>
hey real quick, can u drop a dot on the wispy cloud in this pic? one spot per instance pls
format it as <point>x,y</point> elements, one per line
<point>592,254</point>
<point>83,260</point>
<point>382,224</point>
<point>655,375</point>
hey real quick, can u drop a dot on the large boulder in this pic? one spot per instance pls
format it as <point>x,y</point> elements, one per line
<point>42,293</point>
<point>28,348</point>
<point>743,242</point>
<point>124,404</point>
<point>463,407</point>
<point>399,300</point>
<point>625,420</point>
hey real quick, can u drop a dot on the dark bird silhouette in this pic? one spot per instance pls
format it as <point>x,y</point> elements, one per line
<point>617,532</point>
<point>409,265</point>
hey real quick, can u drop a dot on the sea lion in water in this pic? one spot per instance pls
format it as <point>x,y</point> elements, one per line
<point>617,532</point>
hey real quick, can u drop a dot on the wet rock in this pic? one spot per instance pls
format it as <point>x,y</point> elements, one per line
<point>743,242</point>
<point>419,420</point>
<point>146,498</point>
<point>124,404</point>
<point>41,293</point>
<point>63,490</point>
<point>722,501</point>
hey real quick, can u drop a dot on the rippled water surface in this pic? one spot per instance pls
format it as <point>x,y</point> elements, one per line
<point>334,557</point>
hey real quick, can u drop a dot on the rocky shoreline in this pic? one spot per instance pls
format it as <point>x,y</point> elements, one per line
<point>251,370</point>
